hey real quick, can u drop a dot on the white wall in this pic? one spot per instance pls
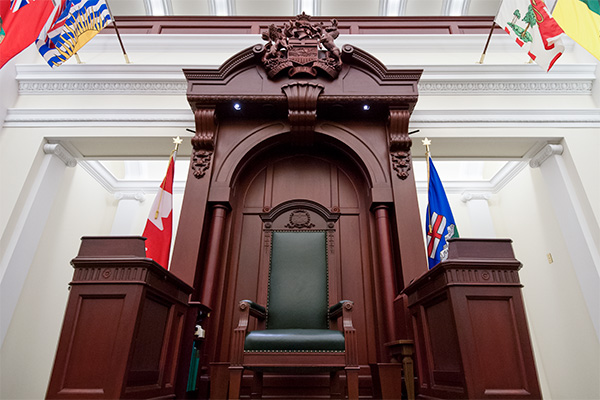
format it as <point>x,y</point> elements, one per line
<point>81,208</point>
<point>566,347</point>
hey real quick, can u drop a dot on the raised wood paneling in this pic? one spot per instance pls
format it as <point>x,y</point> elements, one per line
<point>470,326</point>
<point>346,25</point>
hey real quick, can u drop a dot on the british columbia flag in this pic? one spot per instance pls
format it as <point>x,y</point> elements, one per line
<point>77,23</point>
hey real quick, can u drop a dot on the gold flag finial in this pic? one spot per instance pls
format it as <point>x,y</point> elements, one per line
<point>177,142</point>
<point>426,142</point>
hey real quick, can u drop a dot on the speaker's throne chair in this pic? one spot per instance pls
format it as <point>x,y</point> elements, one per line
<point>295,332</point>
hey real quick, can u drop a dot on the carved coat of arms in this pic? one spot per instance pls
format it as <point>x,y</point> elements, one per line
<point>302,47</point>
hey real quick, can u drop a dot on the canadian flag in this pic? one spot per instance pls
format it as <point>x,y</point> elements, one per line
<point>159,227</point>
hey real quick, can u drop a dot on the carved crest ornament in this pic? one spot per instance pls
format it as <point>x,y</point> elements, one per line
<point>302,47</point>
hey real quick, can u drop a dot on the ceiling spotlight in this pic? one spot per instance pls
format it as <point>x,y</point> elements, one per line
<point>237,106</point>
<point>366,107</point>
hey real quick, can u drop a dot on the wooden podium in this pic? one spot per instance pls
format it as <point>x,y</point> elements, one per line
<point>470,327</point>
<point>123,325</point>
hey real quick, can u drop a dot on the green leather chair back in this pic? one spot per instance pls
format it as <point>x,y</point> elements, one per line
<point>298,288</point>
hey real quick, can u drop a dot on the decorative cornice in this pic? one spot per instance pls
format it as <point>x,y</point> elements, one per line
<point>60,152</point>
<point>548,151</point>
<point>436,79</point>
<point>59,117</point>
<point>506,118</point>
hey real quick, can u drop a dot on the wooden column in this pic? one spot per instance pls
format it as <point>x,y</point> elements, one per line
<point>470,327</point>
<point>213,256</point>
<point>386,260</point>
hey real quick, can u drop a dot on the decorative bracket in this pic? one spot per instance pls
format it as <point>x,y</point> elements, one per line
<point>203,142</point>
<point>400,142</point>
<point>302,105</point>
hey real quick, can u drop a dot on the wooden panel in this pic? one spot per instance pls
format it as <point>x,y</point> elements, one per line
<point>311,182</point>
<point>498,347</point>
<point>444,352</point>
<point>91,349</point>
<point>256,24</point>
<point>148,344</point>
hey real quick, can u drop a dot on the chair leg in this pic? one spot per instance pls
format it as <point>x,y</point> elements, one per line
<point>352,382</point>
<point>257,385</point>
<point>335,387</point>
<point>235,382</point>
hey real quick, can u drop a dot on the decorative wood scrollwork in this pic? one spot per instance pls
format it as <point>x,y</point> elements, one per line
<point>299,219</point>
<point>302,105</point>
<point>400,142</point>
<point>203,141</point>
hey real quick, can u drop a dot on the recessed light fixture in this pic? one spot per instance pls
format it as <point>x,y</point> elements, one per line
<point>366,107</point>
<point>237,106</point>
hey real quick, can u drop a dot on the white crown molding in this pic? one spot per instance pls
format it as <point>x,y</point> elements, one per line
<point>98,117</point>
<point>126,188</point>
<point>561,118</point>
<point>505,118</point>
<point>481,187</point>
<point>476,79</point>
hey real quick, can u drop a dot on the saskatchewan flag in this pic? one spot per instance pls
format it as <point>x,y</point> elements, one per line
<point>580,19</point>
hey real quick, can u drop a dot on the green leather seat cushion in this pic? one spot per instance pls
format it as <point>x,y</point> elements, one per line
<point>295,340</point>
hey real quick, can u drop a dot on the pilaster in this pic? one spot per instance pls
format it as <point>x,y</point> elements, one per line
<point>127,208</point>
<point>28,229</point>
<point>479,213</point>
<point>576,228</point>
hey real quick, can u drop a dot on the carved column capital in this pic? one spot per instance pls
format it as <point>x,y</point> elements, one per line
<point>548,151</point>
<point>399,141</point>
<point>138,196</point>
<point>203,142</point>
<point>59,151</point>
<point>302,105</point>
<point>468,196</point>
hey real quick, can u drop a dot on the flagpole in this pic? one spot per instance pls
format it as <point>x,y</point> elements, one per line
<point>118,35</point>
<point>426,142</point>
<point>487,43</point>
<point>177,141</point>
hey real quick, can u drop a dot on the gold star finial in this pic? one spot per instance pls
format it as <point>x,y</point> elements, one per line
<point>177,142</point>
<point>426,142</point>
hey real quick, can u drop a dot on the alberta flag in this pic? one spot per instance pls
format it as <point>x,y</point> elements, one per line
<point>77,23</point>
<point>532,27</point>
<point>159,227</point>
<point>440,221</point>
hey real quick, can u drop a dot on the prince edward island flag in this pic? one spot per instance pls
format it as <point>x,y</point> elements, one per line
<point>440,222</point>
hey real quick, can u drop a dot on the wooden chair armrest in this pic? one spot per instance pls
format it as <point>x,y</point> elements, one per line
<point>256,310</point>
<point>246,308</point>
<point>336,310</point>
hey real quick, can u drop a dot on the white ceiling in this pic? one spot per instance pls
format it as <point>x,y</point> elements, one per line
<point>335,8</point>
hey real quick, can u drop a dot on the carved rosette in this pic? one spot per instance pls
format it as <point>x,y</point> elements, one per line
<point>400,142</point>
<point>203,142</point>
<point>302,105</point>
